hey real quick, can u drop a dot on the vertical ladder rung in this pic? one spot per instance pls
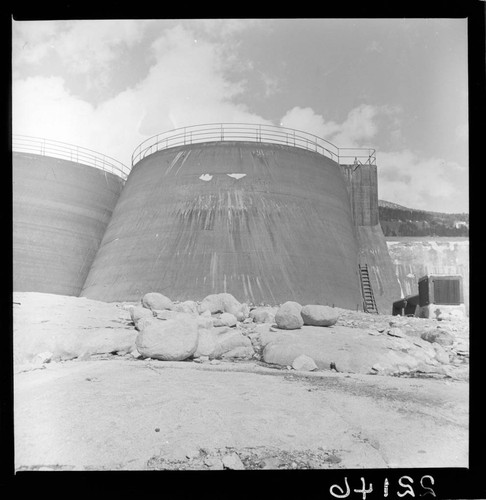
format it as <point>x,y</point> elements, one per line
<point>367,290</point>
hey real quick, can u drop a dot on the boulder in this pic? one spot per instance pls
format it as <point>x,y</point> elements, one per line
<point>440,336</point>
<point>226,319</point>
<point>304,363</point>
<point>266,337</point>
<point>169,314</point>
<point>169,340</point>
<point>205,321</point>
<point>206,343</point>
<point>229,341</point>
<point>288,316</point>
<point>263,314</point>
<point>317,315</point>
<point>224,302</point>
<point>440,354</point>
<point>233,462</point>
<point>213,463</point>
<point>212,303</point>
<point>139,312</point>
<point>189,307</point>
<point>282,354</point>
<point>261,328</point>
<point>395,363</point>
<point>143,322</point>
<point>156,301</point>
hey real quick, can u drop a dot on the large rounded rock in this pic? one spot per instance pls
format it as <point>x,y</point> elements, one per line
<point>138,313</point>
<point>212,303</point>
<point>206,321</point>
<point>226,319</point>
<point>206,343</point>
<point>304,363</point>
<point>317,315</point>
<point>288,316</point>
<point>440,336</point>
<point>169,340</point>
<point>156,301</point>
<point>224,302</point>
<point>263,314</point>
<point>282,354</point>
<point>189,307</point>
<point>230,341</point>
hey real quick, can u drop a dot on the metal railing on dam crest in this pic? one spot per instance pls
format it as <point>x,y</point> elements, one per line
<point>219,132</point>
<point>69,152</point>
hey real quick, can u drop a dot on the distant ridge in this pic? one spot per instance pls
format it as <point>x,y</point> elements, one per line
<point>397,220</point>
<point>389,204</point>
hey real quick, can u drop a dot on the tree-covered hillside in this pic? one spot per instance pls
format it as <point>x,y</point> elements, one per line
<point>397,220</point>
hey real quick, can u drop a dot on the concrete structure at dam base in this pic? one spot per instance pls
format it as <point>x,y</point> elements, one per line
<point>414,257</point>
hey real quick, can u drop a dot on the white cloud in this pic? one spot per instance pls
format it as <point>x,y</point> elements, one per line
<point>358,128</point>
<point>186,85</point>
<point>42,107</point>
<point>428,183</point>
<point>81,47</point>
<point>307,120</point>
<point>404,178</point>
<point>32,41</point>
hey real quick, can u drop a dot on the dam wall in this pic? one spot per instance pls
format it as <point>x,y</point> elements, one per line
<point>271,216</point>
<point>265,222</point>
<point>60,212</point>
<point>362,184</point>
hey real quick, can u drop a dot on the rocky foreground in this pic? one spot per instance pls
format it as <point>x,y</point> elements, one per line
<point>51,328</point>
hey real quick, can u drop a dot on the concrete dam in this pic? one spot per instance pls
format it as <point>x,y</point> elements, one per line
<point>61,207</point>
<point>265,213</point>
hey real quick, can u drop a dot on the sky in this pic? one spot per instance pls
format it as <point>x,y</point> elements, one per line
<point>396,85</point>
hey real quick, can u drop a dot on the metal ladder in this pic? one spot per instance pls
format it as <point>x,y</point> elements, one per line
<point>369,304</point>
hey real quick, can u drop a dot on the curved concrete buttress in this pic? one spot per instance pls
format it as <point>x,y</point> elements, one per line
<point>185,226</point>
<point>60,213</point>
